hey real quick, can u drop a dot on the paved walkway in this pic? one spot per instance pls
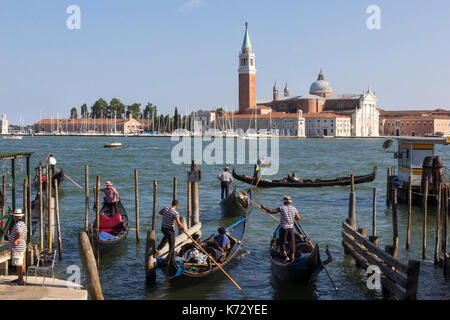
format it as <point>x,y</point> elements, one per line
<point>52,290</point>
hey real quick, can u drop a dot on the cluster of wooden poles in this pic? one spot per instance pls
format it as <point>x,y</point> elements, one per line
<point>51,206</point>
<point>46,216</point>
<point>89,252</point>
<point>441,210</point>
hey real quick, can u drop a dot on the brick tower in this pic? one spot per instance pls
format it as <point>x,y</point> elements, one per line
<point>247,70</point>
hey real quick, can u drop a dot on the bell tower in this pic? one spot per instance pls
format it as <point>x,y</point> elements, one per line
<point>247,71</point>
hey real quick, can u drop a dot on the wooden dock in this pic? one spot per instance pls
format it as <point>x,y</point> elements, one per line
<point>53,289</point>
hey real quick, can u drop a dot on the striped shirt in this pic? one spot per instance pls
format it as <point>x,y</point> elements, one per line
<point>19,226</point>
<point>225,177</point>
<point>287,216</point>
<point>169,216</point>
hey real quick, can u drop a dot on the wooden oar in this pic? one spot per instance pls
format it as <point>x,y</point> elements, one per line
<point>65,175</point>
<point>276,219</point>
<point>311,244</point>
<point>260,176</point>
<point>215,262</point>
<point>70,179</point>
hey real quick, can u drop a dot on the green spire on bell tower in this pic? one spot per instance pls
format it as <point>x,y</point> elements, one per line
<point>246,45</point>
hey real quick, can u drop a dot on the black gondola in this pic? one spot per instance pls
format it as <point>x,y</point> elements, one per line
<point>232,207</point>
<point>340,181</point>
<point>181,271</point>
<point>59,175</point>
<point>113,231</point>
<point>306,265</point>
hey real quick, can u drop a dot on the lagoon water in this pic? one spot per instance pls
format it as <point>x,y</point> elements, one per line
<point>322,211</point>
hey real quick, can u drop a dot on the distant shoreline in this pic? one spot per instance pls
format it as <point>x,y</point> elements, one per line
<point>168,136</point>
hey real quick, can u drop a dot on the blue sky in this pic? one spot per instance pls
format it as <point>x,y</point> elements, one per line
<point>185,52</point>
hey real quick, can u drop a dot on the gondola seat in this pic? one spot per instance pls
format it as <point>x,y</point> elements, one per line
<point>112,225</point>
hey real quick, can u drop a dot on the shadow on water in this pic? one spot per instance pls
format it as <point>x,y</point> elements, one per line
<point>284,290</point>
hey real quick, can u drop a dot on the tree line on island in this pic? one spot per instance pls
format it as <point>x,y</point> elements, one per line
<point>115,109</point>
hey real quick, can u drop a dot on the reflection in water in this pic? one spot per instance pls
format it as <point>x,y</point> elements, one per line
<point>283,290</point>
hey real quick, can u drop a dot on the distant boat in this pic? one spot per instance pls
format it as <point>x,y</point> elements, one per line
<point>15,137</point>
<point>113,145</point>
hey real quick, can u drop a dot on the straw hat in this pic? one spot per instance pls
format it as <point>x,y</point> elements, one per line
<point>108,183</point>
<point>287,199</point>
<point>226,168</point>
<point>18,213</point>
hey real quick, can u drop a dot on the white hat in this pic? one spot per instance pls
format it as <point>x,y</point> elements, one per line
<point>18,213</point>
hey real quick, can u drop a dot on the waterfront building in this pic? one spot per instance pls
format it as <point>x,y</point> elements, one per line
<point>202,120</point>
<point>327,125</point>
<point>4,124</point>
<point>361,108</point>
<point>287,124</point>
<point>90,125</point>
<point>415,123</point>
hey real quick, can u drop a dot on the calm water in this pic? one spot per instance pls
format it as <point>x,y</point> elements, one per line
<point>322,210</point>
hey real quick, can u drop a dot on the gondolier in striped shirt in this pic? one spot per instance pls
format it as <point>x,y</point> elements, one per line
<point>225,180</point>
<point>287,237</point>
<point>18,245</point>
<point>170,217</point>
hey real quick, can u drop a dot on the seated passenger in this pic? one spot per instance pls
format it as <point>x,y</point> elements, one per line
<point>243,199</point>
<point>221,243</point>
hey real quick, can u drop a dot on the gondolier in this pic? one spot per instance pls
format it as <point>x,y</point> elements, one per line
<point>18,245</point>
<point>111,197</point>
<point>225,180</point>
<point>170,216</point>
<point>287,237</point>
<point>52,163</point>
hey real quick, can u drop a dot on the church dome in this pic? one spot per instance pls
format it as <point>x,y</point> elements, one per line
<point>320,85</point>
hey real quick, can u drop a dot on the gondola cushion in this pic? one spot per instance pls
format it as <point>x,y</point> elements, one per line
<point>112,225</point>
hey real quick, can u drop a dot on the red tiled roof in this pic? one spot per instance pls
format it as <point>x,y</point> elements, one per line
<point>263,116</point>
<point>323,115</point>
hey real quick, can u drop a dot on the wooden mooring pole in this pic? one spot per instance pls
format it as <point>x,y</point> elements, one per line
<point>373,238</point>
<point>86,195</point>
<point>408,226</point>
<point>150,260</point>
<point>136,199</point>
<point>150,243</point>
<point>189,202</point>
<point>388,187</point>
<point>175,181</point>
<point>195,206</point>
<point>155,198</point>
<point>4,194</point>
<point>89,266</point>
<point>352,203</point>
<point>25,201</point>
<point>58,223</point>
<point>438,224</point>
<point>41,212</point>
<point>395,223</point>
<point>425,217</point>
<point>97,221</point>
<point>445,231</point>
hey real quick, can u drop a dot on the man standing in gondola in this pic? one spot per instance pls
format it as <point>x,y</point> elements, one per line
<point>170,217</point>
<point>225,180</point>
<point>287,237</point>
<point>52,163</point>
<point>111,197</point>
